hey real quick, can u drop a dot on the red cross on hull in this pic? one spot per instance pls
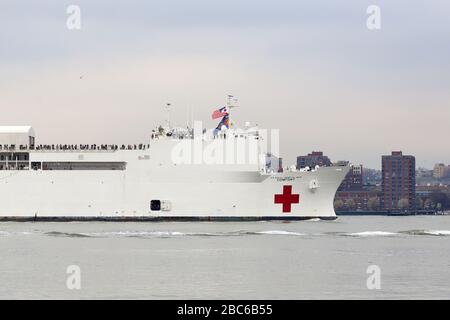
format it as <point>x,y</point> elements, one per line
<point>287,199</point>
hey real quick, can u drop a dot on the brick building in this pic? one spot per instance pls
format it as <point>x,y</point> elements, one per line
<point>315,158</point>
<point>398,184</point>
<point>353,180</point>
<point>358,200</point>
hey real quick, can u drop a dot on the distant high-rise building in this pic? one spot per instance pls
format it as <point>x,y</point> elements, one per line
<point>424,173</point>
<point>353,180</point>
<point>441,171</point>
<point>398,181</point>
<point>316,158</point>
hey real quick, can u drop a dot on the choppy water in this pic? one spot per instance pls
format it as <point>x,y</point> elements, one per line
<point>228,260</point>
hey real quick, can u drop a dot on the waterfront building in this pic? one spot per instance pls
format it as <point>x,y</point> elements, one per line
<point>354,179</point>
<point>315,158</point>
<point>366,199</point>
<point>398,181</point>
<point>441,171</point>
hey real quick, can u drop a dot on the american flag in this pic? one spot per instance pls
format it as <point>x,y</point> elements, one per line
<point>220,113</point>
<point>224,122</point>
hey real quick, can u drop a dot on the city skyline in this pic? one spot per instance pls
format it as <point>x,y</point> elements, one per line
<point>327,83</point>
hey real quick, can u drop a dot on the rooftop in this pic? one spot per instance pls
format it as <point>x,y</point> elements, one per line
<point>17,129</point>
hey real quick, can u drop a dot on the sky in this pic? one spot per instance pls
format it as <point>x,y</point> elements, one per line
<point>311,69</point>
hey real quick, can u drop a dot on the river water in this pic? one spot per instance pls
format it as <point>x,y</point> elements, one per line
<point>228,260</point>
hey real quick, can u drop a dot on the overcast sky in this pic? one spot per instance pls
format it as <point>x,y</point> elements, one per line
<point>312,69</point>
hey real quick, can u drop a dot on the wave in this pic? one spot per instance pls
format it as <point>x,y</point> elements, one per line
<point>371,234</point>
<point>438,232</point>
<point>278,233</point>
<point>138,234</point>
<point>169,234</point>
<point>128,234</point>
<point>427,232</point>
<point>176,234</point>
<point>114,234</point>
<point>67,234</point>
<point>163,234</point>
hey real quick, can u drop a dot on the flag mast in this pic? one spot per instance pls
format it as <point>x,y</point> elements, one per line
<point>168,105</point>
<point>225,114</point>
<point>230,104</point>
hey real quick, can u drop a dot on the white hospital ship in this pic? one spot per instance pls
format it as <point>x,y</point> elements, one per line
<point>170,177</point>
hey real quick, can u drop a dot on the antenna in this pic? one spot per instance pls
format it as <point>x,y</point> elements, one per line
<point>187,116</point>
<point>231,103</point>
<point>229,98</point>
<point>168,105</point>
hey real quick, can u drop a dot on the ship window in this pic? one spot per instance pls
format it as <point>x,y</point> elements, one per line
<point>84,165</point>
<point>31,142</point>
<point>36,165</point>
<point>155,205</point>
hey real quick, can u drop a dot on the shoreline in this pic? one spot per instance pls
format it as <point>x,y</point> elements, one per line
<point>392,214</point>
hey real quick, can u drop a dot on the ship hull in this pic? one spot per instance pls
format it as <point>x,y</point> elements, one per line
<point>190,193</point>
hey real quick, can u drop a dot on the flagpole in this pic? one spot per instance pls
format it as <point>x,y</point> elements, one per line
<point>168,115</point>
<point>229,108</point>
